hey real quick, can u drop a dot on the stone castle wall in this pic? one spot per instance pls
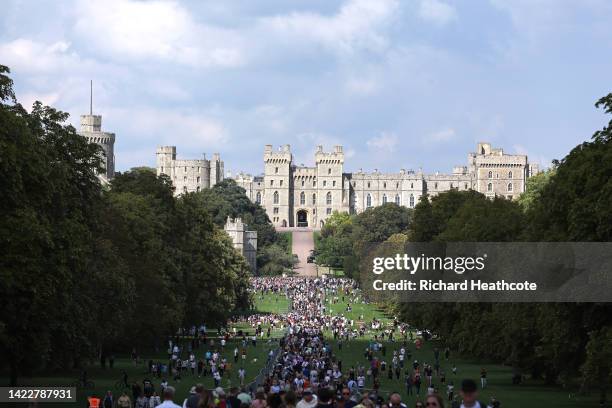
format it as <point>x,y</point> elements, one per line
<point>244,241</point>
<point>189,176</point>
<point>298,196</point>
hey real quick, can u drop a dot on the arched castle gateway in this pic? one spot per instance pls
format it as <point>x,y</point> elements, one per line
<point>299,196</point>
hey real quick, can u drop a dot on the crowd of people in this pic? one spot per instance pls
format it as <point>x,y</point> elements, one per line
<point>306,370</point>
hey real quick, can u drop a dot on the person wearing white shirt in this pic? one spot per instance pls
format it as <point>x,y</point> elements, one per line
<point>168,397</point>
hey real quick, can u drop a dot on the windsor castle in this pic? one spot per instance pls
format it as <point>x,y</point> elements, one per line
<point>299,196</point>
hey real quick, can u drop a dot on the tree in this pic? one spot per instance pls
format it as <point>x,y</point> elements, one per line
<point>50,202</point>
<point>533,189</point>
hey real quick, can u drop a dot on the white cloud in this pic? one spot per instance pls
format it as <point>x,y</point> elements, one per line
<point>357,25</point>
<point>190,130</point>
<point>443,135</point>
<point>129,29</point>
<point>362,86</point>
<point>437,12</point>
<point>273,118</point>
<point>385,141</point>
<point>35,57</point>
<point>28,98</point>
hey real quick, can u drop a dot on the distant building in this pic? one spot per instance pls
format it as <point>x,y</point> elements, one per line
<point>189,175</point>
<point>91,129</point>
<point>298,196</point>
<point>244,241</point>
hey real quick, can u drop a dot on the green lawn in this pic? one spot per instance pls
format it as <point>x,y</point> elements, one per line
<point>530,394</point>
<point>105,379</point>
<point>527,395</point>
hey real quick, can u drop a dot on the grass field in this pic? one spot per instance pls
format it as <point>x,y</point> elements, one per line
<point>105,379</point>
<point>531,394</point>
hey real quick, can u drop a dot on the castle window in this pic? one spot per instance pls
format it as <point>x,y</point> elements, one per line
<point>314,199</point>
<point>302,198</point>
<point>368,184</point>
<point>509,186</point>
<point>411,201</point>
<point>275,210</point>
<point>198,179</point>
<point>302,183</point>
<point>490,174</point>
<point>451,185</point>
<point>329,211</point>
<point>334,183</point>
<point>185,169</point>
<point>328,198</point>
<point>314,183</point>
<point>258,198</point>
<point>384,185</point>
<point>329,171</point>
<point>314,211</point>
<point>489,187</point>
<point>162,169</point>
<point>465,186</point>
<point>185,179</point>
<point>324,183</point>
<point>368,201</point>
<point>411,185</point>
<point>435,186</point>
<point>185,189</point>
<point>396,185</point>
<point>509,174</point>
<point>276,170</point>
<point>384,199</point>
<point>397,199</point>
<point>198,189</point>
<point>275,198</point>
<point>281,182</point>
<point>271,182</point>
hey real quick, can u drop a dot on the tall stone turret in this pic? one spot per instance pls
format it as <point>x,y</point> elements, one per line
<point>91,129</point>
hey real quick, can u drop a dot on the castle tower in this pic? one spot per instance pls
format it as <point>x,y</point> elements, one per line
<point>330,194</point>
<point>277,179</point>
<point>166,155</point>
<point>91,129</point>
<point>216,170</point>
<point>244,241</point>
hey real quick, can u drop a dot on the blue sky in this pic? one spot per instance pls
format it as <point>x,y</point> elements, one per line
<point>401,84</point>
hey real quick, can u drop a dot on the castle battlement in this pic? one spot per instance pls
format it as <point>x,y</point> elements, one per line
<point>189,175</point>
<point>306,196</point>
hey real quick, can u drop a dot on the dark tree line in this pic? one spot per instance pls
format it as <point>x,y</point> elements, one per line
<point>86,269</point>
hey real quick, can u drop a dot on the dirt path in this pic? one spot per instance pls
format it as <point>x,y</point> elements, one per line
<point>303,243</point>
